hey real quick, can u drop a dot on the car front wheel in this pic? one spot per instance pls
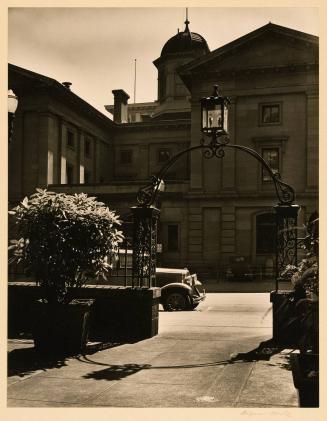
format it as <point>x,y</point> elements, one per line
<point>176,301</point>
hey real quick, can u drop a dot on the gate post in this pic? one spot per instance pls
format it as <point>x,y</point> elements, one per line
<point>286,237</point>
<point>145,222</point>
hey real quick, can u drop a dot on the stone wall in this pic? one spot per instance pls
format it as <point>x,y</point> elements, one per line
<point>119,313</point>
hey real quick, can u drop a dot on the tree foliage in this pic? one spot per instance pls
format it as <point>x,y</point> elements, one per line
<point>64,240</point>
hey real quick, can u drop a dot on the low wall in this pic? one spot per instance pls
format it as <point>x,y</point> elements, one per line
<point>119,313</point>
<point>281,315</point>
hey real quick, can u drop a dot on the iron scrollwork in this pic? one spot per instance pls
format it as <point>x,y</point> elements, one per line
<point>287,244</point>
<point>147,194</point>
<point>215,147</point>
<point>284,191</point>
<point>144,246</point>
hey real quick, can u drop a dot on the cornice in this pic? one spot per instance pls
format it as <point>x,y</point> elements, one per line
<point>256,70</point>
<point>56,90</point>
<point>152,126</point>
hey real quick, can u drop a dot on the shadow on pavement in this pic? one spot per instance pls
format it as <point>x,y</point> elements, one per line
<point>26,361</point>
<point>116,372</point>
<point>87,360</point>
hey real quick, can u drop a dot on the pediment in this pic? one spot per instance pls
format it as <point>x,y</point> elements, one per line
<point>268,46</point>
<point>265,51</point>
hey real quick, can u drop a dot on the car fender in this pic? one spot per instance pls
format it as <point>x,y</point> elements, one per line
<point>197,282</point>
<point>176,285</point>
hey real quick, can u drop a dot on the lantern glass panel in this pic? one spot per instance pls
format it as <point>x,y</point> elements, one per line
<point>204,117</point>
<point>225,119</point>
<point>215,117</point>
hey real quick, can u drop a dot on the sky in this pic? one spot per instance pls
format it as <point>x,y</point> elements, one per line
<point>95,48</point>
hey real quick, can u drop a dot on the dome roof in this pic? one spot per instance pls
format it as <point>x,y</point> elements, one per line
<point>184,42</point>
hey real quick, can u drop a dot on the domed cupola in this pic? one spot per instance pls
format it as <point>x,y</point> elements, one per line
<point>185,41</point>
<point>178,50</point>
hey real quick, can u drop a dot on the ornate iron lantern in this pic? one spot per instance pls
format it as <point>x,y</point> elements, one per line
<point>214,114</point>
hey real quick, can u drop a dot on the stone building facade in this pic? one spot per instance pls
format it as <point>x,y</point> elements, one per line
<point>211,210</point>
<point>58,137</point>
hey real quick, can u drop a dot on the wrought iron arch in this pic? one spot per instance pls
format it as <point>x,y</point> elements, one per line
<point>215,148</point>
<point>146,214</point>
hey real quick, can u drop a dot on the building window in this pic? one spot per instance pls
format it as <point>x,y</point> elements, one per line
<point>270,114</point>
<point>87,148</point>
<point>271,156</point>
<point>87,177</point>
<point>266,233</point>
<point>164,155</point>
<point>70,139</point>
<point>172,238</point>
<point>69,173</point>
<point>126,156</point>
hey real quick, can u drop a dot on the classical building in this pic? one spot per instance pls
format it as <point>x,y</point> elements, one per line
<point>211,209</point>
<point>58,137</point>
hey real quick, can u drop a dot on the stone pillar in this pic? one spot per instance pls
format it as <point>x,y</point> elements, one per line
<point>79,153</point>
<point>45,152</point>
<point>145,222</point>
<point>195,234</point>
<point>228,162</point>
<point>96,160</point>
<point>143,171</point>
<point>312,140</point>
<point>16,160</point>
<point>286,240</point>
<point>62,152</point>
<point>196,158</point>
<point>228,246</point>
<point>81,158</point>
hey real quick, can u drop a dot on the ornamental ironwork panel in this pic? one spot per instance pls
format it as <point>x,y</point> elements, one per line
<point>286,231</point>
<point>144,246</point>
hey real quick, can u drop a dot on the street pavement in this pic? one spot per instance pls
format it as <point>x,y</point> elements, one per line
<point>186,365</point>
<point>264,285</point>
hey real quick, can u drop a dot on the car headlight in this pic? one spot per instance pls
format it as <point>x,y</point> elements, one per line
<point>189,281</point>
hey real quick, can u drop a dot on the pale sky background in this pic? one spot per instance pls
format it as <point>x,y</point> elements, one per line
<point>95,48</point>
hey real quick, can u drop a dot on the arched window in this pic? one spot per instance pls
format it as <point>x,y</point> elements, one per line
<point>266,233</point>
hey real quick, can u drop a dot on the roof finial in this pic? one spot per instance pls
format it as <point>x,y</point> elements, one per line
<point>186,21</point>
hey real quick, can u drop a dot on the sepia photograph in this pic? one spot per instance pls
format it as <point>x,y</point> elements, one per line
<point>163,207</point>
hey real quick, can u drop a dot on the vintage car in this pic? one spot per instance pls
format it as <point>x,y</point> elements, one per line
<point>179,289</point>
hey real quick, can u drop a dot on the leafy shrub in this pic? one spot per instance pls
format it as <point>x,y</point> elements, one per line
<point>305,277</point>
<point>64,240</point>
<point>306,274</point>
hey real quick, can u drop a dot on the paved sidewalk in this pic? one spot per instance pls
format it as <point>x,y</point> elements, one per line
<point>186,365</point>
